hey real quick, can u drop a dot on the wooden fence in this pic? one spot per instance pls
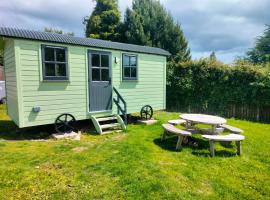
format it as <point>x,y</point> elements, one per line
<point>239,111</point>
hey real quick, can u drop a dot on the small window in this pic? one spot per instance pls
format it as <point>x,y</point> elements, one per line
<point>130,65</point>
<point>104,61</point>
<point>54,61</point>
<point>95,60</point>
<point>100,64</point>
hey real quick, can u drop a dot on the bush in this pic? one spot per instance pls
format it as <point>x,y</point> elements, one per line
<point>209,86</point>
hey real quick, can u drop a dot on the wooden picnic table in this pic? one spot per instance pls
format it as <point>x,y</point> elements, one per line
<point>193,119</point>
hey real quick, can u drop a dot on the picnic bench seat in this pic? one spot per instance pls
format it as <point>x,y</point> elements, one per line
<point>224,138</point>
<point>177,121</point>
<point>232,129</point>
<point>172,130</point>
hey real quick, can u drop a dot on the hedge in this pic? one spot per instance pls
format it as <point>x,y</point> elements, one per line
<point>241,91</point>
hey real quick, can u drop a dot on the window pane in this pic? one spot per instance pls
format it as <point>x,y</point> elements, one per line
<point>126,72</point>
<point>105,74</point>
<point>125,60</point>
<point>60,69</point>
<point>104,61</point>
<point>60,55</point>
<point>95,75</point>
<point>49,54</point>
<point>95,60</point>
<point>133,73</point>
<point>49,69</point>
<point>133,61</point>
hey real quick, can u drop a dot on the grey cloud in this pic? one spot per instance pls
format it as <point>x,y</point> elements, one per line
<point>37,14</point>
<point>221,26</point>
<point>225,26</point>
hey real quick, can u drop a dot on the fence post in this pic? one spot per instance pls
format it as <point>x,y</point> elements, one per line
<point>258,113</point>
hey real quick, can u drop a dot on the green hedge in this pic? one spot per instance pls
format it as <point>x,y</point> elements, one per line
<point>241,91</point>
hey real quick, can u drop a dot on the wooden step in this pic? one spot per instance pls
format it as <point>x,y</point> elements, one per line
<point>107,126</point>
<point>108,123</point>
<point>103,119</point>
<point>111,131</point>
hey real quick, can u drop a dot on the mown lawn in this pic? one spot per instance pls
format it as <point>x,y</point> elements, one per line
<point>133,165</point>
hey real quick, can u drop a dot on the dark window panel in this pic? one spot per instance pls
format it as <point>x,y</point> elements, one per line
<point>60,55</point>
<point>105,74</point>
<point>104,61</point>
<point>133,72</point>
<point>95,75</point>
<point>49,69</point>
<point>49,54</point>
<point>95,60</point>
<point>60,69</point>
<point>126,72</point>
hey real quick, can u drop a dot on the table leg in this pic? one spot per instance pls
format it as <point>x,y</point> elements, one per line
<point>214,128</point>
<point>185,140</point>
<point>190,125</point>
<point>187,124</point>
<point>212,148</point>
<point>163,136</point>
<point>239,148</point>
<point>179,142</point>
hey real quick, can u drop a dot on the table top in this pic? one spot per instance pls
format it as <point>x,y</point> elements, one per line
<point>204,119</point>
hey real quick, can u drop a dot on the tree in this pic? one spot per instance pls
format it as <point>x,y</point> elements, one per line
<point>149,23</point>
<point>104,22</point>
<point>133,28</point>
<point>260,53</point>
<point>58,31</point>
<point>212,56</point>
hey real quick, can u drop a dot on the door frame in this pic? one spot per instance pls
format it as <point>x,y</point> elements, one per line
<point>89,78</point>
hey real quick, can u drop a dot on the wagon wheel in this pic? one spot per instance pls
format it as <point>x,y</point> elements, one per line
<point>146,112</point>
<point>65,123</point>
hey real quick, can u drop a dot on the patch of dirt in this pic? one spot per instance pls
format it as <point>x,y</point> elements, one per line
<point>119,137</point>
<point>205,189</point>
<point>79,149</point>
<point>49,166</point>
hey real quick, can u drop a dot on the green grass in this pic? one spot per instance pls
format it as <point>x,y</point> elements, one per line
<point>132,165</point>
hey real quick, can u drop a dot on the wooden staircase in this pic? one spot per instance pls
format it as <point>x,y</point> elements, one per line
<point>108,124</point>
<point>112,123</point>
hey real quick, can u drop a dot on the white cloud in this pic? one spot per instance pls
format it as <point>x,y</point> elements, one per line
<point>225,56</point>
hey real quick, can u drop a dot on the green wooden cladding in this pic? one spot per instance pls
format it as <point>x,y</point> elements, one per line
<point>11,76</point>
<point>26,89</point>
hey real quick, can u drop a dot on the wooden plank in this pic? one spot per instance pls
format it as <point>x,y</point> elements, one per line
<point>232,128</point>
<point>11,82</point>
<point>46,103</point>
<point>173,130</point>
<point>224,138</point>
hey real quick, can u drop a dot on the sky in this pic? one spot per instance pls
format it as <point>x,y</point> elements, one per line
<point>228,27</point>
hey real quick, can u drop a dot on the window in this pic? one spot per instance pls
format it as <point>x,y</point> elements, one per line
<point>130,67</point>
<point>54,62</point>
<point>100,64</point>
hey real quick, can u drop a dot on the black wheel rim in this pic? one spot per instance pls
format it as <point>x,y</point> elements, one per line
<point>65,123</point>
<point>146,112</point>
